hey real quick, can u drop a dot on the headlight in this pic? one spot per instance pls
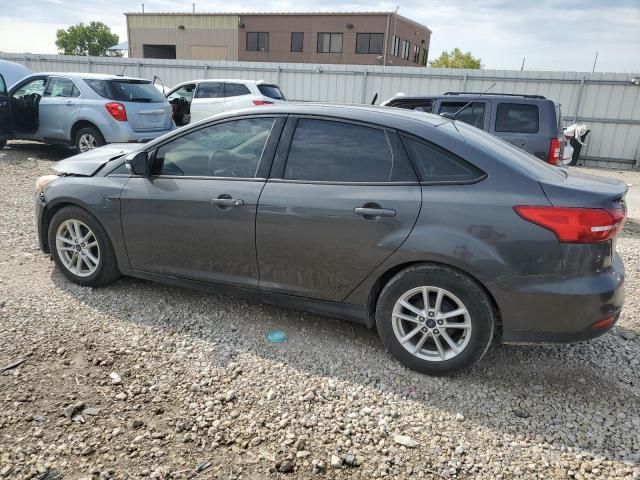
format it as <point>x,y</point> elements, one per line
<point>44,181</point>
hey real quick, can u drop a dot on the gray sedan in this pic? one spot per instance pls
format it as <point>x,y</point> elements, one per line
<point>436,233</point>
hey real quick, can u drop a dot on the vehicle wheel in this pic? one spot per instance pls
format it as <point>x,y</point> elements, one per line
<point>88,138</point>
<point>435,320</point>
<point>3,144</point>
<point>81,248</point>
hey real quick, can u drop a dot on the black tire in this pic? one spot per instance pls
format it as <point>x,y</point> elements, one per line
<point>107,268</point>
<point>3,143</point>
<point>468,291</point>
<point>93,132</point>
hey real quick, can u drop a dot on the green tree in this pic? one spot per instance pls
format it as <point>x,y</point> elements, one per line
<point>92,39</point>
<point>455,59</point>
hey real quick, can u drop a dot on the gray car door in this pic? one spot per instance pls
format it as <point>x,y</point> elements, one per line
<point>341,199</point>
<point>59,108</point>
<point>195,216</point>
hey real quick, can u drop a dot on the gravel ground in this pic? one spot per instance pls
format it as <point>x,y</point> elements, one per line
<point>144,380</point>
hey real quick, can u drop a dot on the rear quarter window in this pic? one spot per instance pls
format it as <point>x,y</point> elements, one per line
<point>437,165</point>
<point>271,91</point>
<point>517,118</point>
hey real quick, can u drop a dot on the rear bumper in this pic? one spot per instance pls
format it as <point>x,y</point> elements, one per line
<point>121,132</point>
<point>559,309</point>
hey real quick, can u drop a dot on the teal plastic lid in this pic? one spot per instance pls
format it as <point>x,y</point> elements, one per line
<point>276,336</point>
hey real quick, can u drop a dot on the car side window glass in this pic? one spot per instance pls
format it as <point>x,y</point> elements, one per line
<point>230,149</point>
<point>330,151</point>
<point>3,86</point>
<point>33,87</point>
<point>435,164</point>
<point>517,118</point>
<point>186,92</point>
<point>472,114</point>
<point>209,90</point>
<point>235,90</point>
<point>61,87</point>
<point>121,170</point>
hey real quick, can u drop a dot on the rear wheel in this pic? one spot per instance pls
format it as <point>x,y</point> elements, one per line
<point>88,138</point>
<point>81,248</point>
<point>435,319</point>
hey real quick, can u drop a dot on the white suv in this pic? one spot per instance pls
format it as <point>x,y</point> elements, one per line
<point>199,99</point>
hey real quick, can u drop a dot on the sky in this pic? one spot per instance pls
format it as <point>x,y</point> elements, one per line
<point>549,34</point>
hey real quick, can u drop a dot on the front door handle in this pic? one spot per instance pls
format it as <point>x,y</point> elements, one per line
<point>370,212</point>
<point>70,103</point>
<point>227,202</point>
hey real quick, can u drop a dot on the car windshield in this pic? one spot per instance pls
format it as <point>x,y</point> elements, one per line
<point>271,91</point>
<point>138,91</point>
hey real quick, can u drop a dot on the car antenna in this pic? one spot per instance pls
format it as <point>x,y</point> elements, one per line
<point>453,116</point>
<point>123,69</point>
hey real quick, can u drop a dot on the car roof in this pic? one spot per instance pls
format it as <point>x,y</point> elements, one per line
<point>453,96</point>
<point>80,75</point>
<point>224,80</point>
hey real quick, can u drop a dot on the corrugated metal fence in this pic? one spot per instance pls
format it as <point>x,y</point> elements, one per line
<point>608,102</point>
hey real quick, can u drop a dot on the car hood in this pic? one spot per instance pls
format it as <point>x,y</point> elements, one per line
<point>88,163</point>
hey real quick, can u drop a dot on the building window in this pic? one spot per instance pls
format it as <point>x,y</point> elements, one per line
<point>416,54</point>
<point>159,51</point>
<point>369,42</point>
<point>329,43</point>
<point>257,41</point>
<point>395,46</point>
<point>406,47</point>
<point>297,41</point>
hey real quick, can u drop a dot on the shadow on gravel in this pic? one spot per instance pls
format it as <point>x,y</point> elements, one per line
<point>576,396</point>
<point>27,152</point>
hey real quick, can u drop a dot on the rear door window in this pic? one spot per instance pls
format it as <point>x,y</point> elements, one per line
<point>209,90</point>
<point>331,151</point>
<point>517,118</point>
<point>473,114</point>
<point>437,165</point>
<point>235,90</point>
<point>271,91</point>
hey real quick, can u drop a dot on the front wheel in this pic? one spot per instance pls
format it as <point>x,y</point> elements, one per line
<point>435,320</point>
<point>81,248</point>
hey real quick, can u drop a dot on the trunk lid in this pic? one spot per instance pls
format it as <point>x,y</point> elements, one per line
<point>88,163</point>
<point>584,190</point>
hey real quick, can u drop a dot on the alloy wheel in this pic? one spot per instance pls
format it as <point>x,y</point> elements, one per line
<point>77,248</point>
<point>87,142</point>
<point>431,323</point>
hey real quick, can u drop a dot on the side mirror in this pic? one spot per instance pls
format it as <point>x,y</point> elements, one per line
<point>138,163</point>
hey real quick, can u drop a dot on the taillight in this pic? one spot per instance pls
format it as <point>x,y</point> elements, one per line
<point>262,102</point>
<point>117,111</point>
<point>575,225</point>
<point>554,152</point>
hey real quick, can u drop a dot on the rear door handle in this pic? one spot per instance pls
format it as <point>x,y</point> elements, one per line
<point>374,212</point>
<point>70,103</point>
<point>227,202</point>
<point>519,142</point>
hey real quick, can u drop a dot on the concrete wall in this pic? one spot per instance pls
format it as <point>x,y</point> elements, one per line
<point>204,37</point>
<point>608,102</point>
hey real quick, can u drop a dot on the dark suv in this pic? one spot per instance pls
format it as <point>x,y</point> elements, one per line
<point>531,122</point>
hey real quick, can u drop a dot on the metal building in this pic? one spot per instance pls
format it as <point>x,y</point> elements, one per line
<point>366,38</point>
